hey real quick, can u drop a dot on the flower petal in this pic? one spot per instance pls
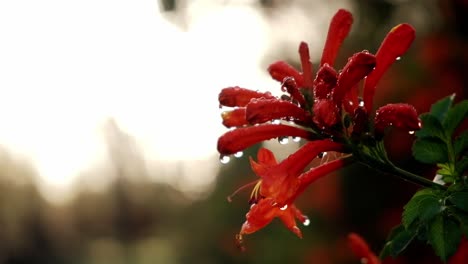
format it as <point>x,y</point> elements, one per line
<point>326,113</point>
<point>306,65</point>
<point>237,96</point>
<point>287,216</point>
<point>290,85</point>
<point>234,118</point>
<point>340,26</point>
<point>266,157</point>
<point>402,116</point>
<point>262,110</point>
<point>358,67</point>
<point>242,138</point>
<point>280,70</point>
<point>361,249</point>
<point>325,82</point>
<point>259,216</point>
<point>395,44</point>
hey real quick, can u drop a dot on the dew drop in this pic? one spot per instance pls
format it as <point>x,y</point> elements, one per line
<point>306,222</point>
<point>296,139</point>
<point>284,207</point>
<point>224,159</point>
<point>398,58</point>
<point>321,155</point>
<point>276,122</point>
<point>238,154</point>
<point>283,140</point>
<point>411,132</point>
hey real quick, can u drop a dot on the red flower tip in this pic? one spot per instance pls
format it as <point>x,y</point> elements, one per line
<point>340,26</point>
<point>234,118</point>
<point>358,67</point>
<point>325,82</point>
<point>395,44</point>
<point>242,138</point>
<point>280,70</point>
<point>326,113</point>
<point>237,96</point>
<point>262,110</point>
<point>306,65</point>
<point>290,85</point>
<point>361,249</point>
<point>402,116</point>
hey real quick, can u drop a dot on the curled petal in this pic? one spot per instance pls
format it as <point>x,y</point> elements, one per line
<point>326,113</point>
<point>402,116</point>
<point>395,44</point>
<point>299,160</point>
<point>280,70</point>
<point>290,85</point>
<point>234,118</point>
<point>262,110</point>
<point>242,138</point>
<point>259,216</point>
<point>340,26</point>
<point>237,96</point>
<point>358,67</point>
<point>361,249</point>
<point>306,65</point>
<point>325,82</point>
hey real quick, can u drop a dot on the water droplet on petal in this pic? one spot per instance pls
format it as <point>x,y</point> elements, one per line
<point>224,159</point>
<point>361,102</point>
<point>238,154</point>
<point>276,122</point>
<point>306,222</point>
<point>296,139</point>
<point>284,207</point>
<point>411,132</point>
<point>283,140</point>
<point>321,155</point>
<point>398,58</point>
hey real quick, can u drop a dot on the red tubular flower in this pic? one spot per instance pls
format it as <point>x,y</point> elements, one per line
<point>239,139</point>
<point>340,26</point>
<point>234,118</point>
<point>325,82</point>
<point>281,183</point>
<point>395,44</point>
<point>361,249</point>
<point>290,85</point>
<point>280,70</point>
<point>326,113</point>
<point>402,116</point>
<point>306,65</point>
<point>237,96</point>
<point>262,110</point>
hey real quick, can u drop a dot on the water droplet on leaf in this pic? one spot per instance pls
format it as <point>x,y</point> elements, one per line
<point>224,159</point>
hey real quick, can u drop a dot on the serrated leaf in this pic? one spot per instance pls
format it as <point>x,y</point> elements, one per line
<point>455,116</point>
<point>460,200</point>
<point>441,107</point>
<point>444,236</point>
<point>461,143</point>
<point>430,150</point>
<point>431,127</point>
<point>398,241</point>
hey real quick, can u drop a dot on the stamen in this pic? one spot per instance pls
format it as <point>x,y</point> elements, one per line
<point>254,193</point>
<point>229,198</point>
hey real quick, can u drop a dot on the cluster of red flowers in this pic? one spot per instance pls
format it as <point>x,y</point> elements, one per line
<point>326,111</point>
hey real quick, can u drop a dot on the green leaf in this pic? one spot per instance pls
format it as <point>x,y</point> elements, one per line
<point>429,207</point>
<point>463,219</point>
<point>461,143</point>
<point>398,241</point>
<point>441,107</point>
<point>444,236</point>
<point>455,116</point>
<point>460,200</point>
<point>462,165</point>
<point>430,150</point>
<point>431,127</point>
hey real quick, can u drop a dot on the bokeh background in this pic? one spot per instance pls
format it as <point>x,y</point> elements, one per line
<point>109,120</point>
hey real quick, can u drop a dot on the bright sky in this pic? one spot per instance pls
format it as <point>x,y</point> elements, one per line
<point>67,66</point>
